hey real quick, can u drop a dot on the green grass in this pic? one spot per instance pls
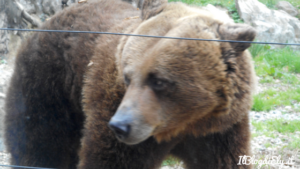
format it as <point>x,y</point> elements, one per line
<point>278,125</point>
<point>2,61</point>
<point>258,49</point>
<point>272,64</point>
<point>269,99</point>
<point>295,144</point>
<point>272,3</point>
<point>170,161</point>
<point>276,64</point>
<point>265,133</point>
<point>285,58</point>
<point>268,145</point>
<point>205,2</point>
<point>270,127</point>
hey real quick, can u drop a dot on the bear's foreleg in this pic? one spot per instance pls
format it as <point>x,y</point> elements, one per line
<point>109,153</point>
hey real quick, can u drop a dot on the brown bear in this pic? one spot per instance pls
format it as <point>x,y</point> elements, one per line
<point>109,102</point>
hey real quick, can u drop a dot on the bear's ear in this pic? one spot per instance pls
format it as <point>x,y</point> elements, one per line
<point>152,7</point>
<point>237,32</point>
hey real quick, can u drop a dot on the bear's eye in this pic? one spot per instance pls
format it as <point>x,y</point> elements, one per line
<point>158,84</point>
<point>126,80</point>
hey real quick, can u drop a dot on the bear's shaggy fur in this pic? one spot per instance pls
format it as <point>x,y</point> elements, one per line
<point>186,98</point>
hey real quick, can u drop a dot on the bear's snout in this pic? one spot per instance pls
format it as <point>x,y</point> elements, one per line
<point>129,125</point>
<point>121,128</point>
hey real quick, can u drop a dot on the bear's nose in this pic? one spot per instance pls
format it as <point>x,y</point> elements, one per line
<point>120,129</point>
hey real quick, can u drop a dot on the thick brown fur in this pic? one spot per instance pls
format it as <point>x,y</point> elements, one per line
<point>199,113</point>
<point>44,114</point>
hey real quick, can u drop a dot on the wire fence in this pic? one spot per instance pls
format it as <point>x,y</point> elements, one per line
<point>147,36</point>
<point>17,166</point>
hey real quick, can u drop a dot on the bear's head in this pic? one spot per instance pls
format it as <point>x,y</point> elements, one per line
<point>172,83</point>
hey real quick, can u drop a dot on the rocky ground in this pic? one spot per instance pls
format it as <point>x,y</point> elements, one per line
<point>278,146</point>
<point>258,143</point>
